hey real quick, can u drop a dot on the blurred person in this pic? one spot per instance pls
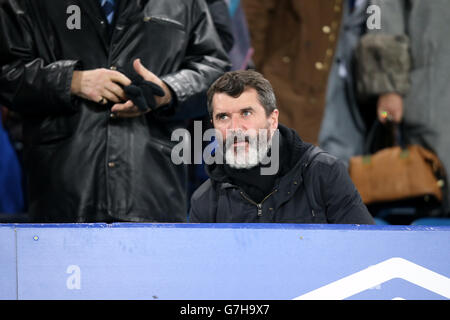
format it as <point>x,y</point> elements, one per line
<point>307,186</point>
<point>347,119</point>
<point>11,192</point>
<point>294,43</point>
<point>407,68</point>
<point>98,84</point>
<point>241,52</point>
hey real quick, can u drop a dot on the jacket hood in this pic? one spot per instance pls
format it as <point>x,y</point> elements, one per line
<point>292,151</point>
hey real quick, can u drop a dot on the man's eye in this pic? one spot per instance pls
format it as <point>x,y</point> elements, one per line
<point>246,113</point>
<point>222,117</point>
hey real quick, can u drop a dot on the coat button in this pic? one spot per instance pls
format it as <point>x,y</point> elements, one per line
<point>112,115</point>
<point>286,59</point>
<point>319,65</point>
<point>114,68</point>
<point>111,164</point>
<point>326,29</point>
<point>312,101</point>
<point>329,52</point>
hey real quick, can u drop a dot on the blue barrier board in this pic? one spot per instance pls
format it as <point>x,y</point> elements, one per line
<point>230,262</point>
<point>8,280</point>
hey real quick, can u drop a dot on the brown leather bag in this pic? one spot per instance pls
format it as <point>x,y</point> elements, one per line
<point>398,173</point>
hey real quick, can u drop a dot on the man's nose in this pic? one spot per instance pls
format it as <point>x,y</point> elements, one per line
<point>235,123</point>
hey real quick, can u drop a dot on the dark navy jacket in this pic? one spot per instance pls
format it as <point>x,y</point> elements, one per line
<point>317,189</point>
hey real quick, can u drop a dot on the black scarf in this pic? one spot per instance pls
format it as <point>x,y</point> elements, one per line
<point>258,186</point>
<point>255,185</point>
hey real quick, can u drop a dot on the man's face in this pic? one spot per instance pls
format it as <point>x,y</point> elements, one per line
<point>241,121</point>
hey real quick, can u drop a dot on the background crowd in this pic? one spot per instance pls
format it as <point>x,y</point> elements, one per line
<point>336,81</point>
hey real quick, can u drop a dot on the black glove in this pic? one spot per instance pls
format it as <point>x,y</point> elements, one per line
<point>142,94</point>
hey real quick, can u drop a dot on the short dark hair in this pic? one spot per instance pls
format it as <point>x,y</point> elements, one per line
<point>234,83</point>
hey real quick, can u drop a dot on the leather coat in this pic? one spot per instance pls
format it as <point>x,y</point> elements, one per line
<point>82,164</point>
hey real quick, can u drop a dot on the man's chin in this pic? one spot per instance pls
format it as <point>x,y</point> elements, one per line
<point>240,161</point>
<point>242,166</point>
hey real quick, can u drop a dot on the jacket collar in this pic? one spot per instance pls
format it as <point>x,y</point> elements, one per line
<point>126,11</point>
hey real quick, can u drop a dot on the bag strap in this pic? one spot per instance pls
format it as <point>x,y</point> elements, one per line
<point>313,153</point>
<point>397,132</point>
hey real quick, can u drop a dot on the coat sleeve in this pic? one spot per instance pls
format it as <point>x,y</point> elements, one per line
<point>383,55</point>
<point>30,83</point>
<point>194,216</point>
<point>203,204</point>
<point>343,202</point>
<point>222,22</point>
<point>205,59</point>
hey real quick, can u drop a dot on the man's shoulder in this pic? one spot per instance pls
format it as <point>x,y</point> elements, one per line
<point>321,166</point>
<point>203,191</point>
<point>316,155</point>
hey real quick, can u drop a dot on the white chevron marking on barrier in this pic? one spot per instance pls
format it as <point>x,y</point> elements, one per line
<point>378,274</point>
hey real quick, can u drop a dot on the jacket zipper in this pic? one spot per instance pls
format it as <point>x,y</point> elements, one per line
<point>164,20</point>
<point>258,205</point>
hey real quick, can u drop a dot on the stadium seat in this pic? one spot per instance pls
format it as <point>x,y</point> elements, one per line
<point>431,222</point>
<point>379,221</point>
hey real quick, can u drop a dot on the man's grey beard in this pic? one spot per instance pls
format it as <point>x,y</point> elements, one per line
<point>259,144</point>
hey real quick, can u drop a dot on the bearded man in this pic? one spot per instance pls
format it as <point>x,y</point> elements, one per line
<point>269,174</point>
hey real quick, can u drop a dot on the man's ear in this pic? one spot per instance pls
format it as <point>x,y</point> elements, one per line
<point>273,119</point>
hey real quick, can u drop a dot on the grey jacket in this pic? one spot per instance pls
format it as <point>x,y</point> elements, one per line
<point>343,128</point>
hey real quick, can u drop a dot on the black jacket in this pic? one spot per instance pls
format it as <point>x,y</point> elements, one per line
<point>315,189</point>
<point>82,164</point>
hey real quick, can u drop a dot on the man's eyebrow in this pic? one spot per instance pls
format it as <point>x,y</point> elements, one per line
<point>219,114</point>
<point>249,108</point>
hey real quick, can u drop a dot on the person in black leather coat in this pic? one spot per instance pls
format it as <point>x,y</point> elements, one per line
<point>93,153</point>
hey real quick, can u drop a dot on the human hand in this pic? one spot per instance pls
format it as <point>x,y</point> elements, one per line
<point>390,107</point>
<point>129,109</point>
<point>99,85</point>
<point>150,76</point>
